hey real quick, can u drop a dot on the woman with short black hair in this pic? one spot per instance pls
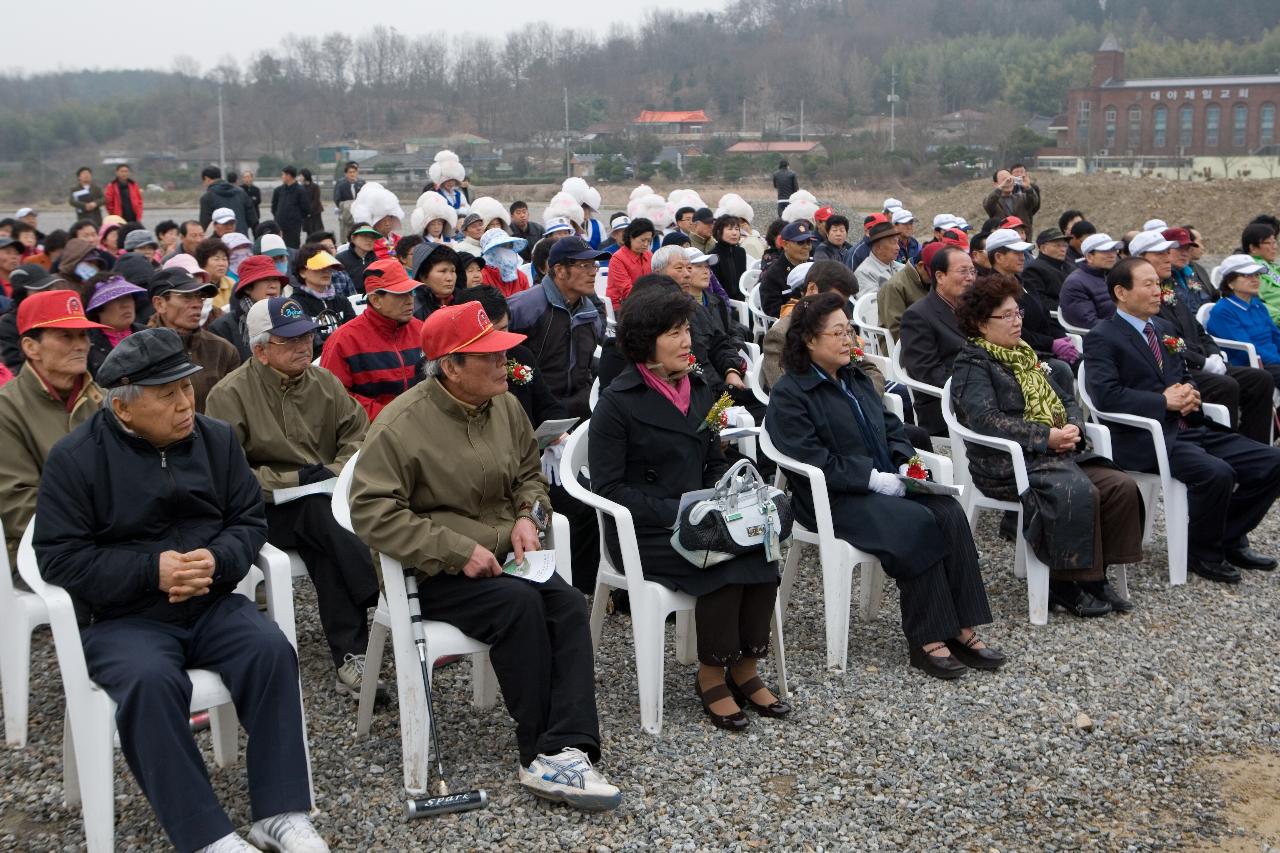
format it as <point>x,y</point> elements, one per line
<point>651,443</point>
<point>726,234</point>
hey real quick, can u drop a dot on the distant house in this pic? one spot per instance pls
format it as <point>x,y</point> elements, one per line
<point>584,165</point>
<point>672,125</point>
<point>456,142</point>
<point>814,148</point>
<point>960,127</point>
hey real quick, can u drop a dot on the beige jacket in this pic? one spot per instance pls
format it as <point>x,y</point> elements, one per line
<point>32,419</point>
<point>284,424</point>
<point>436,477</point>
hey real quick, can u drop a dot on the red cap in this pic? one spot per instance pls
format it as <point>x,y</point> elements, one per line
<point>955,237</point>
<point>257,267</point>
<point>53,309</point>
<point>873,220</point>
<point>1181,236</point>
<point>930,251</point>
<point>1012,222</point>
<point>824,213</point>
<point>388,274</point>
<point>463,328</point>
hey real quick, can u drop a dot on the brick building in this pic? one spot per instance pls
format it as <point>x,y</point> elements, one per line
<point>1175,126</point>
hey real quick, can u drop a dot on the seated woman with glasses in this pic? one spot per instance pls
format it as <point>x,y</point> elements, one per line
<point>825,412</point>
<point>1081,513</point>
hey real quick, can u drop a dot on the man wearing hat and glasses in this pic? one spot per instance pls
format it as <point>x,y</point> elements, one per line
<point>148,515</point>
<point>797,241</point>
<point>298,426</point>
<point>178,299</point>
<point>52,395</point>
<point>456,529</point>
<point>881,263</point>
<point>376,355</point>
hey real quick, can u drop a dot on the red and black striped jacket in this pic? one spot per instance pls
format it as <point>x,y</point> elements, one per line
<point>375,358</point>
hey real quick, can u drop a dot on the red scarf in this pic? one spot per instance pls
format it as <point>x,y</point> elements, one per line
<point>677,392</point>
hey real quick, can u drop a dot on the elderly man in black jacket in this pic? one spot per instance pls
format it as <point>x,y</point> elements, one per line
<point>290,206</point>
<point>148,515</point>
<point>1044,276</point>
<point>931,337</point>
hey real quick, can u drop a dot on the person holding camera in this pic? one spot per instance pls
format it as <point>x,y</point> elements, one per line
<point>1014,194</point>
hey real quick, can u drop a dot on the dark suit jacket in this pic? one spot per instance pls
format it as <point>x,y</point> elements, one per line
<point>1039,329</point>
<point>1122,376</point>
<point>931,340</point>
<point>1200,343</point>
<point>1044,277</point>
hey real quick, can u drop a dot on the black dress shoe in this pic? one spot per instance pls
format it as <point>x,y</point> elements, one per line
<point>936,666</point>
<point>985,658</point>
<point>1220,572</point>
<point>1247,558</point>
<point>735,722</point>
<point>1077,601</point>
<point>1104,591</point>
<point>754,685</point>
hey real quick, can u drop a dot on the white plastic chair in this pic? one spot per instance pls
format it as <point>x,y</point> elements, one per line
<point>755,381</point>
<point>1026,564</point>
<point>1074,330</point>
<point>443,640</point>
<point>20,614</point>
<point>359,302</point>
<point>749,279</point>
<point>90,720</point>
<point>839,558</point>
<point>867,319</point>
<point>593,396</point>
<point>760,320</point>
<point>742,314</point>
<point>916,387</point>
<point>1176,511</point>
<point>650,601</point>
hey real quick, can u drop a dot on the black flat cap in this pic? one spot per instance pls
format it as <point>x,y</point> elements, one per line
<point>174,280</point>
<point>149,357</point>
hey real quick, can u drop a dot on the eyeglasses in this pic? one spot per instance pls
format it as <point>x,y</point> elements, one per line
<point>1008,316</point>
<point>842,332</point>
<point>294,343</point>
<point>582,265</point>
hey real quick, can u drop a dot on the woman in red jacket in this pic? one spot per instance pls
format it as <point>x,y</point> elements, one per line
<point>631,261</point>
<point>122,196</point>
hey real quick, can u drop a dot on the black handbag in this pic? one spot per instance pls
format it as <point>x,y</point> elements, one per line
<point>743,514</point>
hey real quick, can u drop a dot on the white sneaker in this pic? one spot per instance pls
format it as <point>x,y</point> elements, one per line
<point>568,777</point>
<point>351,675</point>
<point>230,843</point>
<point>290,832</point>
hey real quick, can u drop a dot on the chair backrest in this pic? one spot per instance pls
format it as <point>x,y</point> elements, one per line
<point>602,282</point>
<point>1203,312</point>
<point>884,364</point>
<point>900,374</point>
<point>359,302</point>
<point>572,463</point>
<point>1075,330</point>
<point>755,381</point>
<point>762,320</point>
<point>749,279</point>
<point>341,502</point>
<point>959,453</point>
<point>593,396</point>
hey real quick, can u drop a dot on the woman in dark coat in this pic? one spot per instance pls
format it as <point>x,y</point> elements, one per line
<point>648,447</point>
<point>732,258</point>
<point>1081,513</point>
<point>825,412</point>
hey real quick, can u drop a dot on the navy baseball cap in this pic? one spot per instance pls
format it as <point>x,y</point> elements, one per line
<point>798,232</point>
<point>282,316</point>
<point>573,249</point>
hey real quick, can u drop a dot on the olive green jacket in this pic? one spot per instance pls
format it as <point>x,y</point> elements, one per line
<point>285,424</point>
<point>32,419</point>
<point>436,477</point>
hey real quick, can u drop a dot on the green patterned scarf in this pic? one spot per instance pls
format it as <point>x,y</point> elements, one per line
<point>1043,406</point>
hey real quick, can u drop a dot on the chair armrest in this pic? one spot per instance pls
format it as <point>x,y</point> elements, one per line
<point>942,467</point>
<point>1217,412</point>
<point>1100,436</point>
<point>817,482</point>
<point>1243,346</point>
<point>558,539</point>
<point>622,519</point>
<point>278,581</point>
<point>893,403</point>
<point>1004,445</point>
<point>1153,427</point>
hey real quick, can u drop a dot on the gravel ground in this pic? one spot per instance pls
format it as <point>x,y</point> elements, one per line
<point>878,758</point>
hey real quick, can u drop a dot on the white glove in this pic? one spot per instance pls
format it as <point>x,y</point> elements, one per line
<point>1215,365</point>
<point>886,484</point>
<point>551,463</point>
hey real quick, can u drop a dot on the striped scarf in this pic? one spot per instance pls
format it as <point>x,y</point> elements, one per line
<point>1043,406</point>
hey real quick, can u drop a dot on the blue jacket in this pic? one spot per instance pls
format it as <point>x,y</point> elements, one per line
<point>1236,320</point>
<point>562,339</point>
<point>1084,300</point>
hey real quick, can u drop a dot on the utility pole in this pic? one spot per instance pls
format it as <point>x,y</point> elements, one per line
<point>744,115</point>
<point>893,104</point>
<point>568,168</point>
<point>222,139</point>
<point>802,119</point>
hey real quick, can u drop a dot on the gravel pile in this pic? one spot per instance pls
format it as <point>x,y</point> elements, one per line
<point>1096,736</point>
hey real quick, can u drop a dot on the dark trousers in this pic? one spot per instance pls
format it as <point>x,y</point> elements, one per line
<point>1231,483</point>
<point>733,622</point>
<point>584,538</point>
<point>1246,392</point>
<point>339,565</point>
<point>291,232</point>
<point>782,205</point>
<point>140,663</point>
<point>541,653</point>
<point>948,595</point>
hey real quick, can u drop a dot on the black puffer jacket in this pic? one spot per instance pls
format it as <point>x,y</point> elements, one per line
<point>110,503</point>
<point>328,314</point>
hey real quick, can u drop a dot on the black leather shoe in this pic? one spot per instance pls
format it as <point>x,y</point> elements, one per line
<point>1220,572</point>
<point>1247,558</point>
<point>1104,591</point>
<point>985,658</point>
<point>936,666</point>
<point>735,722</point>
<point>743,694</point>
<point>1077,601</point>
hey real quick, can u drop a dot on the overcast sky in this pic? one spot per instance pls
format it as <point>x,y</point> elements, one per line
<point>96,34</point>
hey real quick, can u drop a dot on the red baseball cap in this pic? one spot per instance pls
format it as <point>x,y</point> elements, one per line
<point>388,274</point>
<point>257,267</point>
<point>930,251</point>
<point>873,220</point>
<point>1181,236</point>
<point>53,309</point>
<point>464,328</point>
<point>824,213</point>
<point>1012,222</point>
<point>955,237</point>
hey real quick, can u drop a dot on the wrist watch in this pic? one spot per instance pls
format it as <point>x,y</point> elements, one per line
<point>536,514</point>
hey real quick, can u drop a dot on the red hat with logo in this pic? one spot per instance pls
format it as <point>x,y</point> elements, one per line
<point>872,221</point>
<point>955,237</point>
<point>461,329</point>
<point>53,309</point>
<point>1012,222</point>
<point>824,213</point>
<point>388,274</point>
<point>255,268</point>
<point>930,251</point>
<point>1181,236</point>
